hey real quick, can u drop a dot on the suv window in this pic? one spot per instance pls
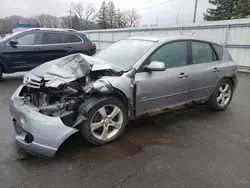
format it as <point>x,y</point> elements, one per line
<point>202,52</point>
<point>172,54</point>
<point>31,39</point>
<point>219,50</point>
<point>74,38</point>
<point>54,38</point>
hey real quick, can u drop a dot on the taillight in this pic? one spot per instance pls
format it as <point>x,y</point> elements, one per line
<point>93,45</point>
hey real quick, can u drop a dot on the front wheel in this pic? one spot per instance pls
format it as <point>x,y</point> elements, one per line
<point>106,120</point>
<point>222,96</point>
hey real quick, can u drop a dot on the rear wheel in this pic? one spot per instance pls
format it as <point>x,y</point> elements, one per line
<point>106,121</point>
<point>222,96</point>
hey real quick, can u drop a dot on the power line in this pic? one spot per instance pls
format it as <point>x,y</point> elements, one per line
<point>154,5</point>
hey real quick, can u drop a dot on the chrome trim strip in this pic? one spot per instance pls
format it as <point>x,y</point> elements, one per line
<point>165,96</point>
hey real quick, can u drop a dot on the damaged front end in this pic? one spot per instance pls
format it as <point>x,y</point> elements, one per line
<point>65,84</point>
<point>64,100</point>
<point>46,106</point>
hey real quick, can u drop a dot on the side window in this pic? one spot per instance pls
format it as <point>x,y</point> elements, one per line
<point>219,50</point>
<point>74,38</point>
<point>202,52</point>
<point>54,38</point>
<point>172,54</point>
<point>31,39</point>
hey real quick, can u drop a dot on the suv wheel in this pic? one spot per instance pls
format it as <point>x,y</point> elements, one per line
<point>106,121</point>
<point>222,96</point>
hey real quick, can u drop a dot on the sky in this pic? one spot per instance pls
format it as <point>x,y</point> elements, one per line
<point>166,12</point>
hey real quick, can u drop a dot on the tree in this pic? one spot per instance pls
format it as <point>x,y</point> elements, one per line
<point>111,15</point>
<point>227,10</point>
<point>103,16</point>
<point>132,17</point>
<point>48,21</point>
<point>120,19</point>
<point>86,13</point>
<point>65,22</point>
<point>7,22</point>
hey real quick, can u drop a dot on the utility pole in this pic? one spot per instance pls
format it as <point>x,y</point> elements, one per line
<point>177,19</point>
<point>70,19</point>
<point>195,10</point>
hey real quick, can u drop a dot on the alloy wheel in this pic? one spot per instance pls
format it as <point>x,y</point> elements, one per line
<point>106,122</point>
<point>224,95</point>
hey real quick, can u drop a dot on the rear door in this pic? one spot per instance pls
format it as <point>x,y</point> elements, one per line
<point>164,89</point>
<point>204,72</point>
<point>27,53</point>
<point>56,46</point>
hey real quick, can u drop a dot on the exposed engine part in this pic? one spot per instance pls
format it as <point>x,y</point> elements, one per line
<point>64,101</point>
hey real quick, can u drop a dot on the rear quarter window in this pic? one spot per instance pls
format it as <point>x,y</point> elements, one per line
<point>84,37</point>
<point>219,50</point>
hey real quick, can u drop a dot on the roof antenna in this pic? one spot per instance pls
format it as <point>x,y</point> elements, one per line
<point>192,34</point>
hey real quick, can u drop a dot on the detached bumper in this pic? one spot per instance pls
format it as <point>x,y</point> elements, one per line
<point>36,133</point>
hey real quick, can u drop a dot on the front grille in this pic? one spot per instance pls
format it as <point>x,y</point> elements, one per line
<point>33,81</point>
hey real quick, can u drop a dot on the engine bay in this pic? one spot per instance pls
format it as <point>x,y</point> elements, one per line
<point>66,98</point>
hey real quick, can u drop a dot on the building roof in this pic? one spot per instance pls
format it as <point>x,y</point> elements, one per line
<point>23,26</point>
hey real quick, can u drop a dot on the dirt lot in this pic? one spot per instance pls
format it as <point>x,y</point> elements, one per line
<point>189,148</point>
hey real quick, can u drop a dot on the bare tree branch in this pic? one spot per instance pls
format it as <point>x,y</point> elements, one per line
<point>85,11</point>
<point>132,17</point>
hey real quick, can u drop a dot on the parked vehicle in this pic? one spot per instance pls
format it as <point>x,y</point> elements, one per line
<point>26,50</point>
<point>133,78</point>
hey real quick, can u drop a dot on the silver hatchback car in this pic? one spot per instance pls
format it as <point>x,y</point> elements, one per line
<point>133,78</point>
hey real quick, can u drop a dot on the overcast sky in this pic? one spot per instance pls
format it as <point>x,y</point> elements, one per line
<point>166,12</point>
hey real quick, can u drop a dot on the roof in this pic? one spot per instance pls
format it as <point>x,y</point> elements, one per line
<point>158,38</point>
<point>23,26</point>
<point>53,29</point>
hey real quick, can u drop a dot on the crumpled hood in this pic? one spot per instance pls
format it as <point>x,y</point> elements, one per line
<point>68,69</point>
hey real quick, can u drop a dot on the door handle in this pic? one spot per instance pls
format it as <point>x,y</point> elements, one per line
<point>37,48</point>
<point>183,75</point>
<point>68,47</point>
<point>216,69</point>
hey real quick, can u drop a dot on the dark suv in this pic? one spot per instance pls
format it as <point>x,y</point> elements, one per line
<point>26,50</point>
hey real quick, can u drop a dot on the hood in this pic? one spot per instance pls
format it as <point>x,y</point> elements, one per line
<point>68,69</point>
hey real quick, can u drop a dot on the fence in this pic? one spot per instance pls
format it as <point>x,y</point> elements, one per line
<point>234,34</point>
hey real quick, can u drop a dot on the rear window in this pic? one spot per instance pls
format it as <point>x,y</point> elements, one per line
<point>54,38</point>
<point>74,38</point>
<point>84,37</point>
<point>219,50</point>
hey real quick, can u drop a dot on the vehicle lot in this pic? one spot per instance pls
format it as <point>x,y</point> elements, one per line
<point>188,148</point>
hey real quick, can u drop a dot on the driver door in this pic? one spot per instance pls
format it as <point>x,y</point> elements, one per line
<point>26,54</point>
<point>164,89</point>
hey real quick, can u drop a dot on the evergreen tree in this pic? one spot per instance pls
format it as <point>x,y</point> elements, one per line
<point>119,19</point>
<point>111,15</point>
<point>227,10</point>
<point>103,16</point>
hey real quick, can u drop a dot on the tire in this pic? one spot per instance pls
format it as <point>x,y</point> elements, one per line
<point>98,129</point>
<point>221,97</point>
<point>1,72</point>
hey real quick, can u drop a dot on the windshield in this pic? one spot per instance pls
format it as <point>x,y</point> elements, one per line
<point>9,36</point>
<point>125,53</point>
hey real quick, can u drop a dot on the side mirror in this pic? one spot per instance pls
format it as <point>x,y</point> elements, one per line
<point>13,42</point>
<point>155,66</point>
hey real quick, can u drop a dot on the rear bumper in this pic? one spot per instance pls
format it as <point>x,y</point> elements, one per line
<point>47,133</point>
